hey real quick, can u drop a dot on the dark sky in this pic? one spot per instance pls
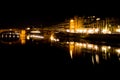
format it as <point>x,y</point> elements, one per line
<point>49,12</point>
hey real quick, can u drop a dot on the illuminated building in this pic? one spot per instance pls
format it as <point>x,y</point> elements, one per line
<point>76,23</point>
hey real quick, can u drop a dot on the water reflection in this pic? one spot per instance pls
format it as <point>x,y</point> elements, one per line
<point>83,50</point>
<point>13,37</point>
<point>98,51</point>
<point>91,52</point>
<point>9,37</point>
<point>23,36</point>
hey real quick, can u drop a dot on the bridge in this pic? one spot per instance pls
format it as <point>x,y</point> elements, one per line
<point>16,30</point>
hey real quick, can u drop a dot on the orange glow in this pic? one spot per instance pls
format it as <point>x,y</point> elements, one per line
<point>23,32</point>
<point>71,20</point>
<point>71,46</point>
<point>117,30</point>
<point>75,48</point>
<point>97,58</point>
<point>51,37</point>
<point>23,36</point>
<point>72,25</point>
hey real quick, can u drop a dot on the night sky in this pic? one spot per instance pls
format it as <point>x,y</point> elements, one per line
<point>48,13</point>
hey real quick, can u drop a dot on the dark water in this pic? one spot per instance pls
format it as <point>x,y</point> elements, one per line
<point>47,57</point>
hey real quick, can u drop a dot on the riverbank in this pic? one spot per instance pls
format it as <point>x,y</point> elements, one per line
<point>93,37</point>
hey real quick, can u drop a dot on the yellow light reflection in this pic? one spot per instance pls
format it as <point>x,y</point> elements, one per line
<point>93,60</point>
<point>118,51</point>
<point>95,47</point>
<point>28,37</point>
<point>77,47</point>
<point>71,46</point>
<point>97,51</point>
<point>23,36</point>
<point>51,37</point>
<point>97,58</point>
<point>104,49</point>
<point>71,53</point>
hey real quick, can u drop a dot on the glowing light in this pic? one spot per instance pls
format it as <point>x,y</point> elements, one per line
<point>117,50</point>
<point>84,45</point>
<point>104,48</point>
<point>52,37</point>
<point>93,16</point>
<point>77,30</point>
<point>35,32</point>
<point>10,36</point>
<point>72,31</point>
<point>28,28</point>
<point>71,20</point>
<point>23,41</point>
<point>80,31</point>
<point>71,42</point>
<point>67,42</point>
<point>13,35</point>
<point>98,19</point>
<point>23,32</point>
<point>36,36</point>
<point>10,29</point>
<point>67,30</point>
<point>105,31</point>
<point>71,53</point>
<point>57,40</point>
<point>28,37</point>
<point>71,46</point>
<point>109,47</point>
<point>96,30</point>
<point>84,31</point>
<point>72,26</point>
<point>97,58</point>
<point>95,47</point>
<point>117,30</point>
<point>90,31</point>
<point>2,35</point>
<point>90,46</point>
<point>23,36</point>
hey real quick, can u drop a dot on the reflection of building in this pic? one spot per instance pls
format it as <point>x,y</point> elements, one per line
<point>23,36</point>
<point>74,48</point>
<point>97,53</point>
<point>71,47</point>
